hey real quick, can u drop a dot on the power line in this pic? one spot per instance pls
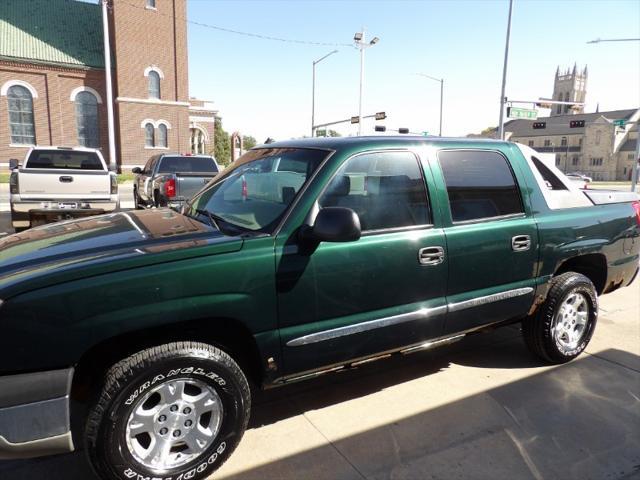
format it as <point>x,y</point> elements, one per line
<point>250,34</point>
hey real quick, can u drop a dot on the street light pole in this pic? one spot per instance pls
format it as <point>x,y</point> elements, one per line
<point>441,80</point>
<point>360,43</point>
<point>636,159</point>
<point>634,171</point>
<point>313,93</point>
<point>598,40</point>
<point>504,74</point>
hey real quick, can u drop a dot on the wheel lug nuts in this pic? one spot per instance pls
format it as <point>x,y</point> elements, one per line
<point>174,408</point>
<point>163,431</point>
<point>176,433</point>
<point>187,411</point>
<point>188,423</point>
<point>162,418</point>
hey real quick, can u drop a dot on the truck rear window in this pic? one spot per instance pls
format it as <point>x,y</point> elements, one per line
<point>187,164</point>
<point>64,160</point>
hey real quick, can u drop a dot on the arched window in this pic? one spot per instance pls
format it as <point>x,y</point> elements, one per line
<point>149,135</point>
<point>87,119</point>
<point>198,141</point>
<point>154,84</point>
<point>162,136</point>
<point>21,115</point>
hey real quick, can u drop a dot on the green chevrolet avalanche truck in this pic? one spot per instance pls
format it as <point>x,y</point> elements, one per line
<point>136,335</point>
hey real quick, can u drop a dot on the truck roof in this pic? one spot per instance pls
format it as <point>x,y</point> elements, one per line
<point>54,147</point>
<point>335,143</point>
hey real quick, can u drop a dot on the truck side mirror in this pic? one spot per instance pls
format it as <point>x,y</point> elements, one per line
<point>13,164</point>
<point>136,170</point>
<point>335,224</point>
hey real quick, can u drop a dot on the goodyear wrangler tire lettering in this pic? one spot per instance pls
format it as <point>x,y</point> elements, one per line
<point>131,383</point>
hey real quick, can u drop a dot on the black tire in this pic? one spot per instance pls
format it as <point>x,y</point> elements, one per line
<point>539,329</point>
<point>136,200</point>
<point>127,383</point>
<point>158,200</point>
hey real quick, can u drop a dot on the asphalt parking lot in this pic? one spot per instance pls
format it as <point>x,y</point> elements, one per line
<point>482,408</point>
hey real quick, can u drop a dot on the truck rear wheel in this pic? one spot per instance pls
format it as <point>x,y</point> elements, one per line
<point>173,411</point>
<point>563,326</point>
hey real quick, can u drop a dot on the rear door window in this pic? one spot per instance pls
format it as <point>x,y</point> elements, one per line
<point>480,185</point>
<point>64,160</point>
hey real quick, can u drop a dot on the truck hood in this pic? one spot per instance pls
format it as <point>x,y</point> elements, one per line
<point>75,249</point>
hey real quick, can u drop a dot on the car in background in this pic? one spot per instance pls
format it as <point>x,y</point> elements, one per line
<point>58,183</point>
<point>581,181</point>
<point>170,179</point>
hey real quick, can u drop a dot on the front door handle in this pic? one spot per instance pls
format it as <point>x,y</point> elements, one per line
<point>521,243</point>
<point>431,255</point>
<point>66,179</point>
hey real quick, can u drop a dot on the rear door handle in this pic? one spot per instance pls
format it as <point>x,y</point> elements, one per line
<point>66,179</point>
<point>521,243</point>
<point>431,255</point>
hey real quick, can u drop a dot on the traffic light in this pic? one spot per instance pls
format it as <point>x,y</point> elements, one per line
<point>381,115</point>
<point>539,125</point>
<point>576,124</point>
<point>355,119</point>
<point>403,130</point>
<point>381,128</point>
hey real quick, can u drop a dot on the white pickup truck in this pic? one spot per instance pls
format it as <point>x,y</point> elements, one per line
<point>57,183</point>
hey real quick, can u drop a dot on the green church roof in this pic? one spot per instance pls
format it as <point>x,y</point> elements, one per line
<point>60,32</point>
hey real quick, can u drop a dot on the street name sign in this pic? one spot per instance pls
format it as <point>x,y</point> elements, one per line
<point>517,112</point>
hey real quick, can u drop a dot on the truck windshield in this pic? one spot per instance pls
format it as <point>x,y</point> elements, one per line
<point>257,190</point>
<point>65,160</point>
<point>187,164</point>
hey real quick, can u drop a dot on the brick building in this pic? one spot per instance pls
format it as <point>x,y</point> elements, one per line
<point>52,79</point>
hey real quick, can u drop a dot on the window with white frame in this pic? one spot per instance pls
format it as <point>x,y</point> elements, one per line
<point>21,123</point>
<point>161,138</point>
<point>149,135</point>
<point>87,119</point>
<point>154,84</point>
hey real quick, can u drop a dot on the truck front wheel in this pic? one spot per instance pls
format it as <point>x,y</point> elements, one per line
<point>563,325</point>
<point>173,411</point>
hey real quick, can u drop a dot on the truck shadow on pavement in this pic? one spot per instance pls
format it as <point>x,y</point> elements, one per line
<point>580,420</point>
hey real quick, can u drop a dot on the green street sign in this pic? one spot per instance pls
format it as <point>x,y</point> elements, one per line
<point>517,112</point>
<point>619,123</point>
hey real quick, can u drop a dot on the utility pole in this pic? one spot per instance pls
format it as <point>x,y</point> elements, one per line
<point>504,74</point>
<point>107,67</point>
<point>313,93</point>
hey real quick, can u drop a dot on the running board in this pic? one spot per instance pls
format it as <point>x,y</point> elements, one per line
<point>423,346</point>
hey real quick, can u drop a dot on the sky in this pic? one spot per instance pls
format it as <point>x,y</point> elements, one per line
<point>263,87</point>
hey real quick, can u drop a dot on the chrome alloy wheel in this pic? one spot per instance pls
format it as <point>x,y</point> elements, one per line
<point>570,323</point>
<point>174,423</point>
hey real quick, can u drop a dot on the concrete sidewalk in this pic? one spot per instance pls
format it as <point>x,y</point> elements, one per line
<point>480,409</point>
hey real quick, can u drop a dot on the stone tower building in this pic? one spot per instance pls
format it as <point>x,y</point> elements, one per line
<point>569,86</point>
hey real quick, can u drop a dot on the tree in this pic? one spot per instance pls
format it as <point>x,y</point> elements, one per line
<point>222,144</point>
<point>333,133</point>
<point>248,142</point>
<point>489,132</point>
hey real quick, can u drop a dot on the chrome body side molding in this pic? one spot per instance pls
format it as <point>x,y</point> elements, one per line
<point>496,297</point>
<point>365,326</point>
<point>423,313</point>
